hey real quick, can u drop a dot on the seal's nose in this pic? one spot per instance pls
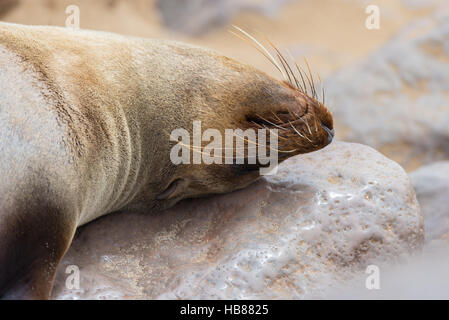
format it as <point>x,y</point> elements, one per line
<point>330,133</point>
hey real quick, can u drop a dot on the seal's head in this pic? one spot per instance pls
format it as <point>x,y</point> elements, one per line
<point>239,108</point>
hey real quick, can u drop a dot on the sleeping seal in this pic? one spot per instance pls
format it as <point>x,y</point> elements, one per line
<point>85,120</point>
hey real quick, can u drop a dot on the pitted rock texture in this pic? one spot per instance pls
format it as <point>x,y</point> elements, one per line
<point>397,100</point>
<point>422,275</point>
<point>319,221</point>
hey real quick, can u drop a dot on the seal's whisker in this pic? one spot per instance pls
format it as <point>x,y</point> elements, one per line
<point>278,136</point>
<point>307,124</point>
<point>273,124</point>
<point>281,151</point>
<point>283,138</point>
<point>305,121</point>
<point>249,141</point>
<point>262,126</point>
<point>274,114</point>
<point>258,49</point>
<point>289,68</point>
<point>199,148</point>
<point>286,70</point>
<point>257,144</point>
<point>302,78</point>
<point>323,95</point>
<point>305,134</point>
<point>311,77</point>
<point>284,151</point>
<point>298,85</point>
<point>192,148</point>
<point>296,130</point>
<point>293,113</point>
<point>278,150</point>
<point>323,98</point>
<point>257,124</point>
<point>222,148</point>
<point>268,54</point>
<point>283,66</point>
<point>308,81</point>
<point>283,61</point>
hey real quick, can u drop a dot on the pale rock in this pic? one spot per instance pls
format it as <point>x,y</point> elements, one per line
<point>397,99</point>
<point>418,276</point>
<point>423,275</point>
<point>431,184</point>
<point>321,220</point>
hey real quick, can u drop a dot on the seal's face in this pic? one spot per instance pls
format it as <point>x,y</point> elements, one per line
<point>298,122</point>
<point>303,123</point>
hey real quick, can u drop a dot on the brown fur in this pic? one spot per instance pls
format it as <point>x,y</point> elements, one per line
<point>106,105</point>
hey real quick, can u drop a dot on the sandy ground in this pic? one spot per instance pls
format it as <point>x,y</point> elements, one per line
<point>330,33</point>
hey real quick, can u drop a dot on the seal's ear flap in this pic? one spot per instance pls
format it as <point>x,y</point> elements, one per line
<point>173,190</point>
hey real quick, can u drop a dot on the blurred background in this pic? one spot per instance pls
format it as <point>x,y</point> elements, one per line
<point>330,33</point>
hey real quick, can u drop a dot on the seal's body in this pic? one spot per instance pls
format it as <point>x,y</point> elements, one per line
<point>84,124</point>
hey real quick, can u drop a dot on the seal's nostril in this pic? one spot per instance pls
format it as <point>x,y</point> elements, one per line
<point>330,133</point>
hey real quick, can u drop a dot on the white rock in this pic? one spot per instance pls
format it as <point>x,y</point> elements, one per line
<point>431,184</point>
<point>321,220</point>
<point>424,275</point>
<point>420,276</point>
<point>397,99</point>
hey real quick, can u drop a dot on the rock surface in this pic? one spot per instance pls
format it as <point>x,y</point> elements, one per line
<point>431,184</point>
<point>199,16</point>
<point>324,217</point>
<point>420,276</point>
<point>397,100</point>
<point>423,275</point>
